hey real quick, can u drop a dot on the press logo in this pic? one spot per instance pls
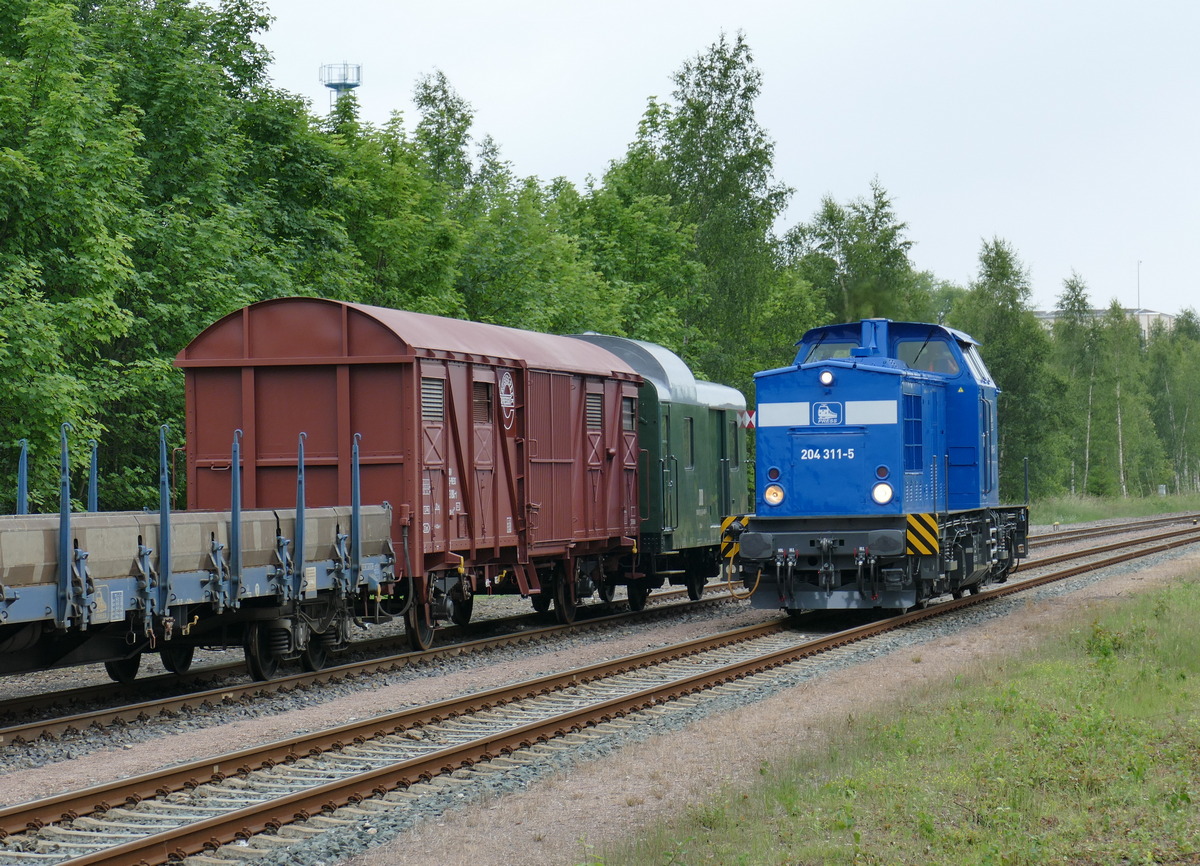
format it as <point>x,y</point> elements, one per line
<point>825,414</point>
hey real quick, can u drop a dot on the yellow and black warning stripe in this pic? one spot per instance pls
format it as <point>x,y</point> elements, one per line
<point>922,536</point>
<point>729,547</point>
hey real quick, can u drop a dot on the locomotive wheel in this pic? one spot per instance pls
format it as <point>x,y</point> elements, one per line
<point>263,663</point>
<point>956,593</point>
<point>541,601</point>
<point>637,596</point>
<point>974,589</point>
<point>177,658</point>
<point>124,670</point>
<point>419,627</point>
<point>316,655</point>
<point>462,611</point>
<point>564,598</point>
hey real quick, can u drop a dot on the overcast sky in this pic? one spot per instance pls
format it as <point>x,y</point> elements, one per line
<point>1069,128</point>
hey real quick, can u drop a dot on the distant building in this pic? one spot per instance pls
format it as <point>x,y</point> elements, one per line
<point>1145,318</point>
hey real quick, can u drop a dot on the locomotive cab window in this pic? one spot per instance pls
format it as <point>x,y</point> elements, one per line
<point>978,369</point>
<point>932,356</point>
<point>825,351</point>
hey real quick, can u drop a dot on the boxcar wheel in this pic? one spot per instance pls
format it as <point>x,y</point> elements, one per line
<point>564,598</point>
<point>461,612</point>
<point>261,661</point>
<point>316,655</point>
<point>637,596</point>
<point>607,591</point>
<point>541,601</point>
<point>124,670</point>
<point>419,627</point>
<point>177,658</point>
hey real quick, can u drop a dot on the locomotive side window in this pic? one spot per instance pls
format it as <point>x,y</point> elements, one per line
<point>978,368</point>
<point>932,356</point>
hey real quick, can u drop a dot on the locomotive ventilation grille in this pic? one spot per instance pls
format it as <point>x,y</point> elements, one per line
<point>922,535</point>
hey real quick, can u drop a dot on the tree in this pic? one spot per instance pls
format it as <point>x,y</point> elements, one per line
<point>69,177</point>
<point>857,258</point>
<point>708,156</point>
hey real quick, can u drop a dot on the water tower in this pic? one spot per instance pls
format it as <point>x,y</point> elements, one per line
<point>340,78</point>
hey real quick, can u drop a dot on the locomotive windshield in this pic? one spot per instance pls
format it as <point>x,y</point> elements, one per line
<point>933,356</point>
<point>823,351</point>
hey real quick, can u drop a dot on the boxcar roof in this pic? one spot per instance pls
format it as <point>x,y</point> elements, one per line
<point>306,330</point>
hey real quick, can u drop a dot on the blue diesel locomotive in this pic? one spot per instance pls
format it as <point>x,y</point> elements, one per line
<point>877,473</point>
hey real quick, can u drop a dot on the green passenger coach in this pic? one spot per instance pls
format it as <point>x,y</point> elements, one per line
<point>692,464</point>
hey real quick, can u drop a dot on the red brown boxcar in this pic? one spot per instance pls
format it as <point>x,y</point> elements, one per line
<point>509,457</point>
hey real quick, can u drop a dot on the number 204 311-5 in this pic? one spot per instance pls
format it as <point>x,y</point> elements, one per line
<point>826,453</point>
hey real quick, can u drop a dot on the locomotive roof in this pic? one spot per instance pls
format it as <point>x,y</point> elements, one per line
<point>671,377</point>
<point>853,330</point>
<point>302,330</point>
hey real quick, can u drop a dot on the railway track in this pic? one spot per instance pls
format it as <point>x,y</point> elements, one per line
<point>196,692</point>
<point>170,693</point>
<point>297,787</point>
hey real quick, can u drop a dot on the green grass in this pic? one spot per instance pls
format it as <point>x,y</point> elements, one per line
<point>1079,509</point>
<point>1085,752</point>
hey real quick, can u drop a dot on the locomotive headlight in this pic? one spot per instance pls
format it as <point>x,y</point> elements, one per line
<point>882,493</point>
<point>826,378</point>
<point>773,495</point>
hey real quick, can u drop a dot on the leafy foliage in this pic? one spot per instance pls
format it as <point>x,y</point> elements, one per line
<point>152,180</point>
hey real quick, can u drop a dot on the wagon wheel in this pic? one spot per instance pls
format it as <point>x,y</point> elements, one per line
<point>541,601</point>
<point>695,585</point>
<point>638,593</point>
<point>956,593</point>
<point>461,612</point>
<point>564,596</point>
<point>261,661</point>
<point>974,589</point>
<point>316,655</point>
<point>419,627</point>
<point>124,670</point>
<point>606,590</point>
<point>177,657</point>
